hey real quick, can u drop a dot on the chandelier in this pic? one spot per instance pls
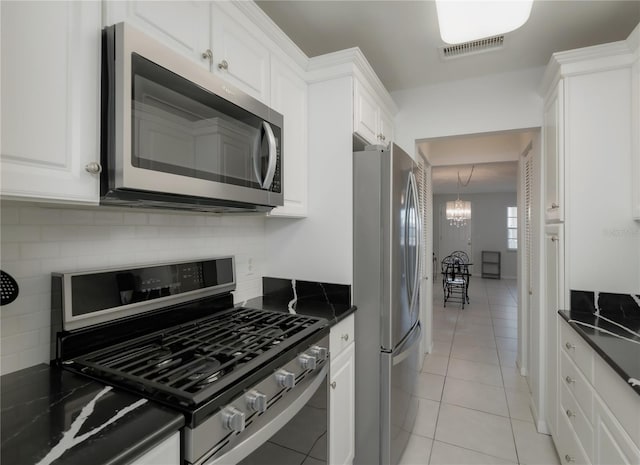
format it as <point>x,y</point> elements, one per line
<point>459,211</point>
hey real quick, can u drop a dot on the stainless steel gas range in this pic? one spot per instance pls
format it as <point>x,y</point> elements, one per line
<point>170,333</point>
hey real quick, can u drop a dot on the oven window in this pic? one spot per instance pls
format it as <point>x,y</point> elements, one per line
<point>181,128</point>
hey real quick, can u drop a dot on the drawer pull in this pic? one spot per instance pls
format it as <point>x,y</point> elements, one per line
<point>570,414</point>
<point>333,385</point>
<point>569,459</point>
<point>345,337</point>
<point>569,346</point>
<point>569,380</point>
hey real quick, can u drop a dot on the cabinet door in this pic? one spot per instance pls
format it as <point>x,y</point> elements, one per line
<point>366,114</point>
<point>50,100</point>
<point>554,300</point>
<point>553,124</point>
<point>386,128</point>
<point>182,25</point>
<point>612,444</point>
<point>289,97</point>
<point>342,408</point>
<point>238,56</point>
<point>635,143</point>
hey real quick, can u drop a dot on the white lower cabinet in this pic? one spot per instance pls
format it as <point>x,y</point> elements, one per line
<point>598,416</point>
<point>165,453</point>
<point>50,100</point>
<point>342,394</point>
<point>612,444</point>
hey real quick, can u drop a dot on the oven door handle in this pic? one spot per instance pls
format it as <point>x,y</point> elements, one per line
<point>243,448</point>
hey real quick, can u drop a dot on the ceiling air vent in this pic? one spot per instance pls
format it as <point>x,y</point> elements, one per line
<point>471,48</point>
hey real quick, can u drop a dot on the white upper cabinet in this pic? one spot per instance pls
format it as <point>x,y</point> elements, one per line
<point>289,97</point>
<point>553,135</point>
<point>370,120</point>
<point>50,100</point>
<point>635,124</point>
<point>182,25</point>
<point>238,57</point>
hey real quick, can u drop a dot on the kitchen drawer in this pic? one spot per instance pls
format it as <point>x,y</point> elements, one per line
<point>578,420</point>
<point>342,334</point>
<point>577,349</point>
<point>574,380</point>
<point>569,448</point>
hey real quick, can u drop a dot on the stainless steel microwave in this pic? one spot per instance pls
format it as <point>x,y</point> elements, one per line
<point>176,136</point>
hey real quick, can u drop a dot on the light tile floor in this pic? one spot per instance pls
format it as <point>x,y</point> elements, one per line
<point>473,404</point>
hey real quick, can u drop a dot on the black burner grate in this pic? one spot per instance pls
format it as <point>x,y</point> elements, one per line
<point>193,361</point>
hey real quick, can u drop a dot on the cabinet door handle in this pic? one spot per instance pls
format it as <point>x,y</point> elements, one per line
<point>333,385</point>
<point>223,65</point>
<point>554,238</point>
<point>569,380</point>
<point>569,346</point>
<point>570,414</point>
<point>554,206</point>
<point>93,168</point>
<point>569,459</point>
<point>208,55</point>
<point>345,337</point>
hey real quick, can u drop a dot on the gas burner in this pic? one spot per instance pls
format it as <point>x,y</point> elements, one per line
<point>204,371</point>
<point>162,359</point>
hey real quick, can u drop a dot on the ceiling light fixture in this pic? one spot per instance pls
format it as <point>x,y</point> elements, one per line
<point>466,20</point>
<point>459,211</point>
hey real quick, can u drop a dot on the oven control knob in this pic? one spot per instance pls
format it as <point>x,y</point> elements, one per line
<point>256,401</point>
<point>285,379</point>
<point>307,362</point>
<point>321,353</point>
<point>233,419</point>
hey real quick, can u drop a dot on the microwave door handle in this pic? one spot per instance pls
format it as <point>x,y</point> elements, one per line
<point>273,156</point>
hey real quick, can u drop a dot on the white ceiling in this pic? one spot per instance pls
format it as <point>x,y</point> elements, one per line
<point>486,177</point>
<point>401,38</point>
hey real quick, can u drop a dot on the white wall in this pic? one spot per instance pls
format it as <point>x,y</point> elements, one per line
<point>37,241</point>
<point>497,102</point>
<point>319,247</point>
<point>488,228</point>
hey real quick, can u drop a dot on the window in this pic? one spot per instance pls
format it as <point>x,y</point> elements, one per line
<point>512,228</point>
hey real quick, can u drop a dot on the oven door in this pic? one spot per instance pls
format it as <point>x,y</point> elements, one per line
<point>297,433</point>
<point>178,129</point>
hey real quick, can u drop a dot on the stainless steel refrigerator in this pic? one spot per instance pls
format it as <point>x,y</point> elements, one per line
<point>387,232</point>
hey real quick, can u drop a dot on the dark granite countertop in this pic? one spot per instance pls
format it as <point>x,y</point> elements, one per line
<point>325,300</point>
<point>51,416</point>
<point>613,330</point>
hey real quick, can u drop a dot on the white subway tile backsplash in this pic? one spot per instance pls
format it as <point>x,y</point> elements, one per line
<point>31,250</point>
<point>21,269</point>
<point>135,218</point>
<point>76,217</point>
<point>9,215</point>
<point>36,241</point>
<point>108,217</point>
<point>20,233</point>
<point>9,251</point>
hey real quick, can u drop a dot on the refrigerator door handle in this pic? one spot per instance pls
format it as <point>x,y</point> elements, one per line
<point>416,286</point>
<point>406,346</point>
<point>412,210</point>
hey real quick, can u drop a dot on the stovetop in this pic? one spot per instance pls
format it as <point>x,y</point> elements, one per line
<point>189,364</point>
